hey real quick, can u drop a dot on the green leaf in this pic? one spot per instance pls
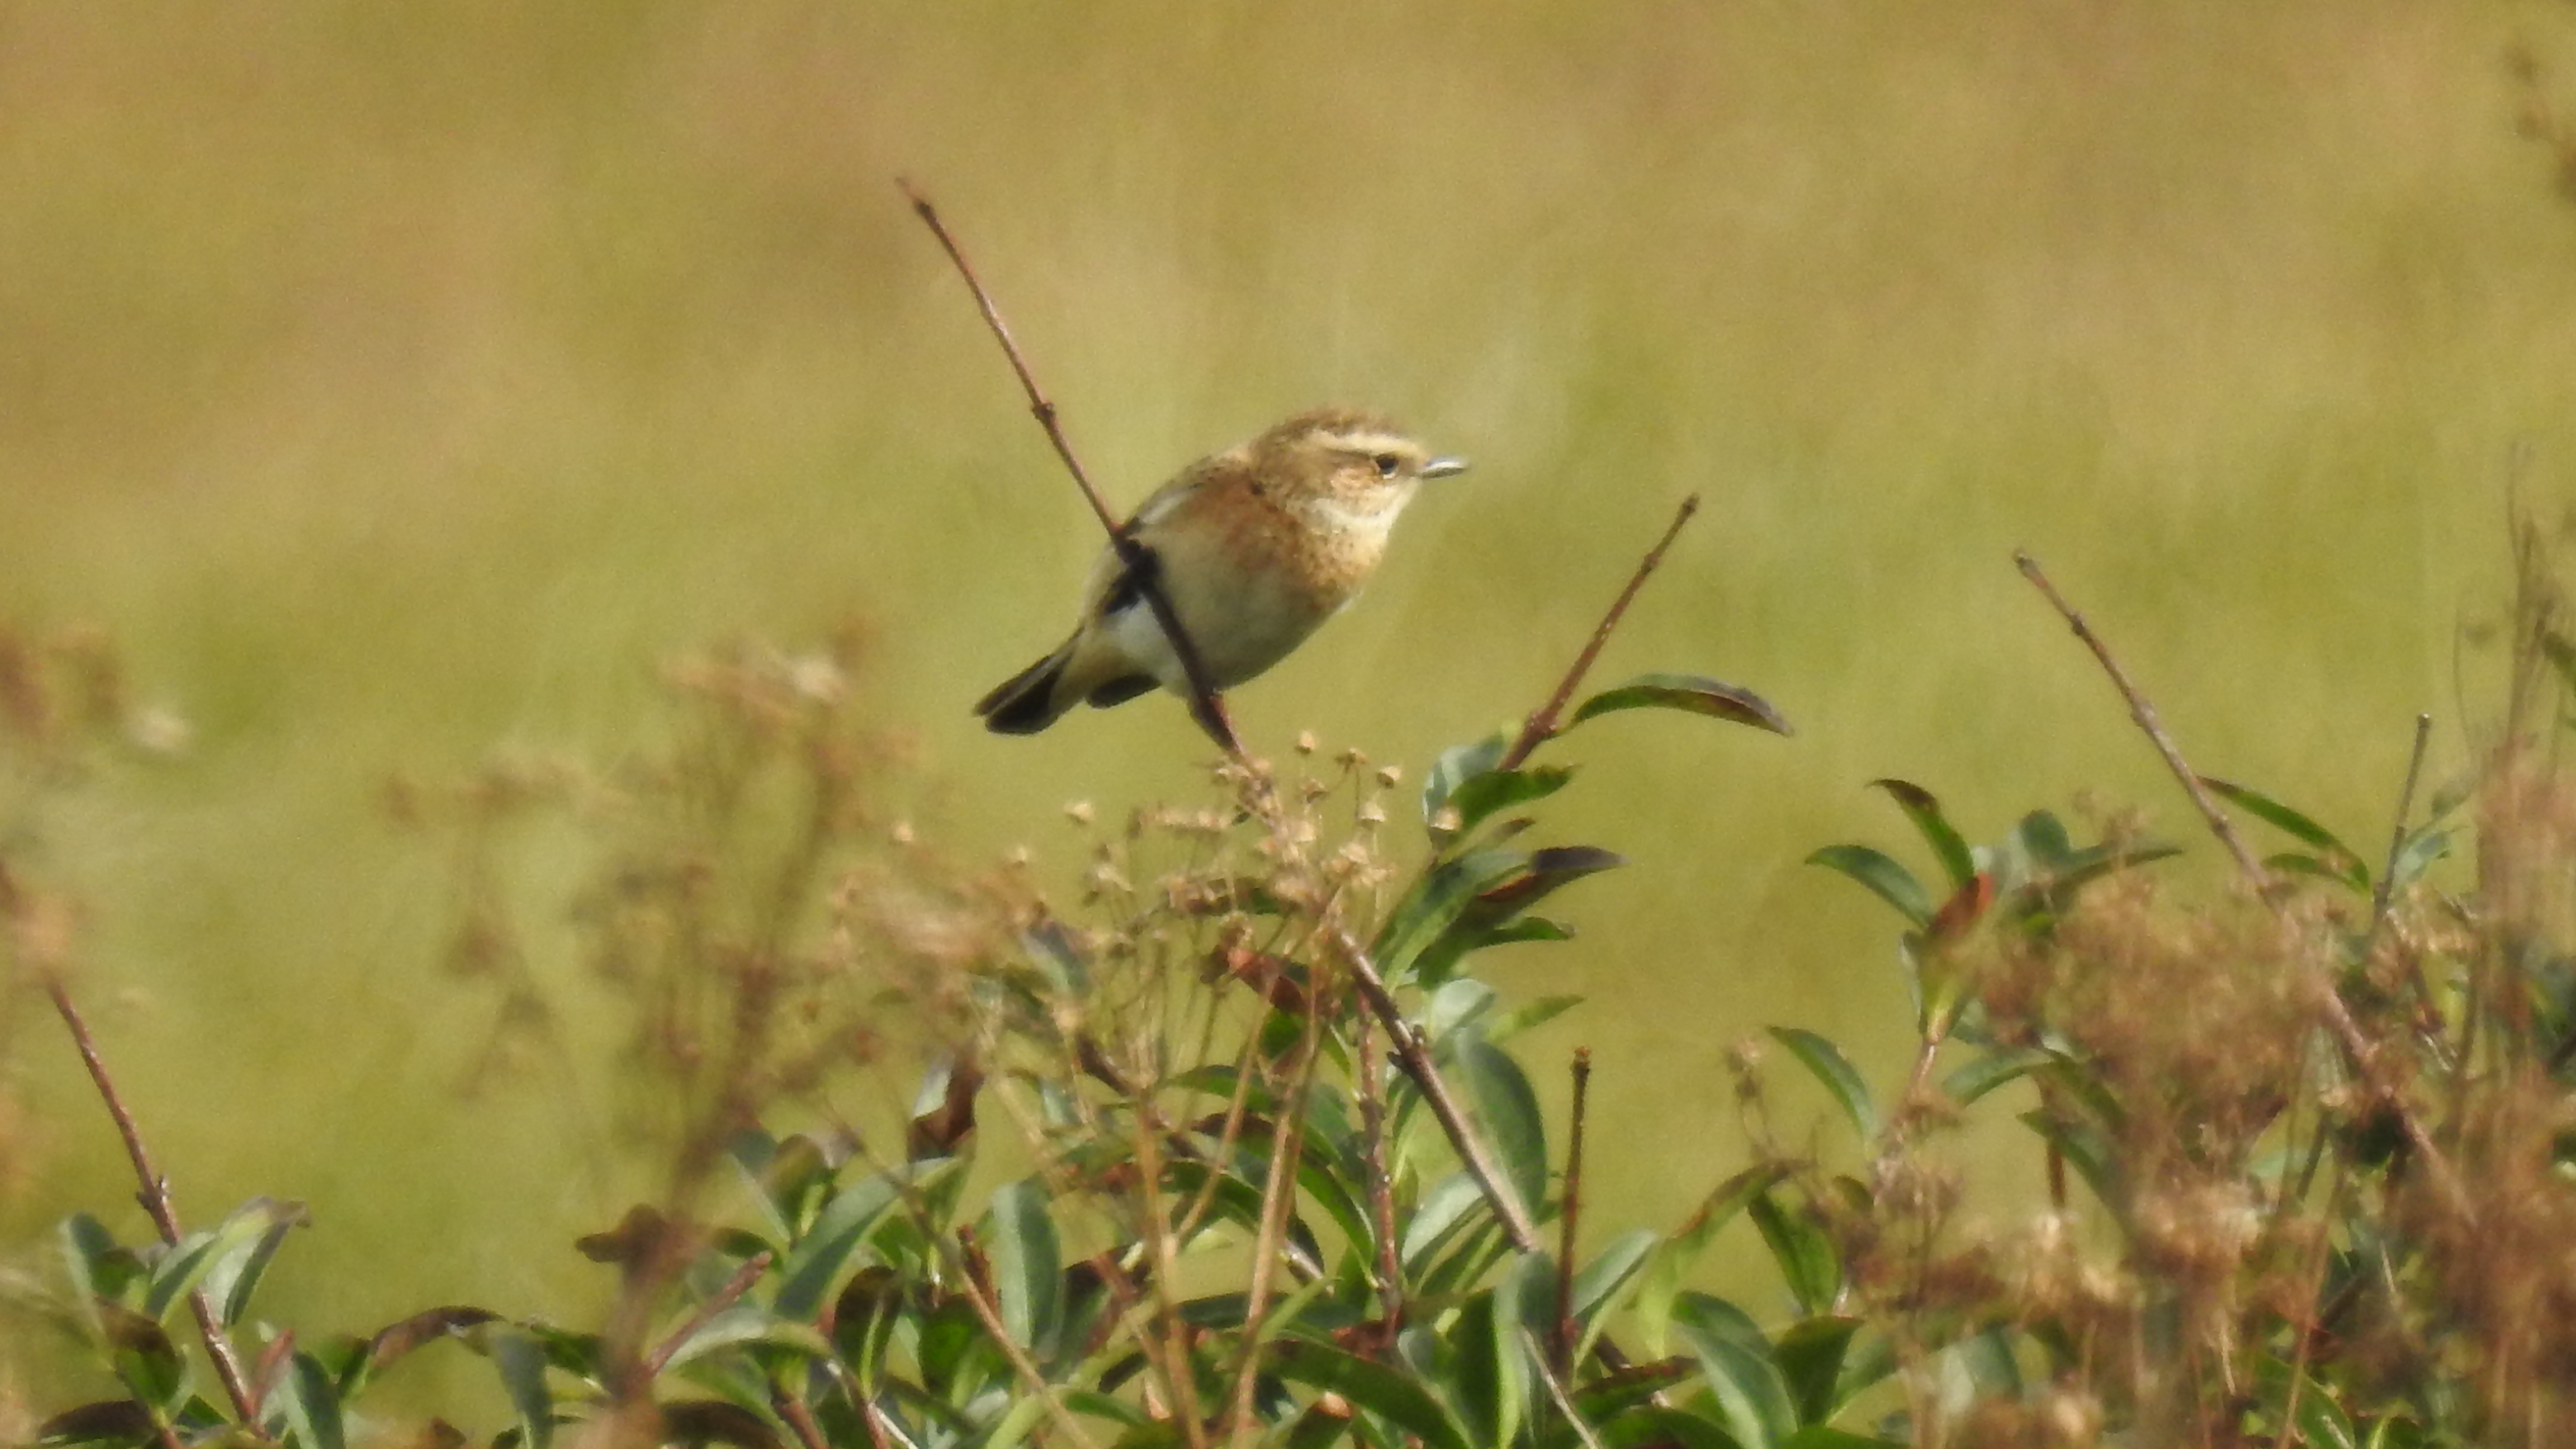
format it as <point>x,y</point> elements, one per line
<point>1891,882</point>
<point>1028,1266</point>
<point>1826,1436</point>
<point>1479,920</point>
<point>2343,871</point>
<point>520,1360</point>
<point>1456,766</point>
<point>807,1275</point>
<point>1810,1355</point>
<point>1507,1109</point>
<point>1753,1400</point>
<point>178,1270</point>
<point>310,1399</point>
<point>244,1246</point>
<point>1660,1293</point>
<point>1808,1263</point>
<point>1449,1206</point>
<point>1689,693</point>
<point>1924,810</point>
<point>1537,1013</point>
<point>789,1178</point>
<point>1486,1386</point>
<point>1828,1065</point>
<point>2263,807</point>
<point>1391,1395</point>
<point>2417,855</point>
<point>144,1358</point>
<point>115,1421</point>
<point>1433,905</point>
<point>1998,1067</point>
<point>102,1269</point>
<point>1480,797</point>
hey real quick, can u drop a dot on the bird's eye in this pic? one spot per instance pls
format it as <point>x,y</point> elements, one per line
<point>1387,464</point>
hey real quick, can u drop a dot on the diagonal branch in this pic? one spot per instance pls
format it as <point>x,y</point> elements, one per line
<point>156,1201</point>
<point>2330,1003</point>
<point>1543,724</point>
<point>1206,705</point>
<point>1416,1061</point>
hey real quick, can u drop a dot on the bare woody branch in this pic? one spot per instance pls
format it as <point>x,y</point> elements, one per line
<point>1542,724</point>
<point>1415,1058</point>
<point>2330,1003</point>
<point>155,1197</point>
<point>1206,705</point>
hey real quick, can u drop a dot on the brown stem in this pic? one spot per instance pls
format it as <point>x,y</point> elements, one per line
<point>1416,1061</point>
<point>156,1201</point>
<point>1561,1350</point>
<point>1206,706</point>
<point>1381,1182</point>
<point>2330,1003</point>
<point>1543,724</point>
<point>809,1434</point>
<point>1278,1195</point>
<point>722,1299</point>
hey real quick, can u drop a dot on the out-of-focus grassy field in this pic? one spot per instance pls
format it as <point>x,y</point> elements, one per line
<point>399,383</point>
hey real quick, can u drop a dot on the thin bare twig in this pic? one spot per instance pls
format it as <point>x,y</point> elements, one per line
<point>723,1298</point>
<point>2397,832</point>
<point>2144,712</point>
<point>1416,1061</point>
<point>1561,1350</point>
<point>2330,1002</point>
<point>1543,724</point>
<point>1381,1180</point>
<point>1278,1195</point>
<point>1206,705</point>
<point>155,1197</point>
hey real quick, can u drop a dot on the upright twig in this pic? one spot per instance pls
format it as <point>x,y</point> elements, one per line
<point>2330,1002</point>
<point>1278,1196</point>
<point>2397,832</point>
<point>1206,706</point>
<point>1415,1058</point>
<point>1542,724</point>
<point>1561,1350</point>
<point>1381,1177</point>
<point>155,1197</point>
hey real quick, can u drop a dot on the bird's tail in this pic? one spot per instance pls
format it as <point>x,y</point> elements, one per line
<point>1027,702</point>
<point>1039,695</point>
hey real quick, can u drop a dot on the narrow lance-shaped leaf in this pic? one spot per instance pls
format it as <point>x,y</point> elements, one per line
<point>1456,766</point>
<point>1688,693</point>
<point>1507,1109</point>
<point>1392,1395</point>
<point>1478,798</point>
<point>1883,877</point>
<point>1806,1257</point>
<point>1826,1062</point>
<point>2341,861</point>
<point>1921,807</point>
<point>1027,1263</point>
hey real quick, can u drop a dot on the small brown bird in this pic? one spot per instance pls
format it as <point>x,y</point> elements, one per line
<point>1254,547</point>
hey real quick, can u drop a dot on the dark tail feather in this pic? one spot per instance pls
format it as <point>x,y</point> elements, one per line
<point>1026,703</point>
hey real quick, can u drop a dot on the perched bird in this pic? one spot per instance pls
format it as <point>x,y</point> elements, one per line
<point>1254,547</point>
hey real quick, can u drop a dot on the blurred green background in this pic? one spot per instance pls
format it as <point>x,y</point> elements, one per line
<point>400,383</point>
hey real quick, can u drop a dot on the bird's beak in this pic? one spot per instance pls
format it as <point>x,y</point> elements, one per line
<point>1444,467</point>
